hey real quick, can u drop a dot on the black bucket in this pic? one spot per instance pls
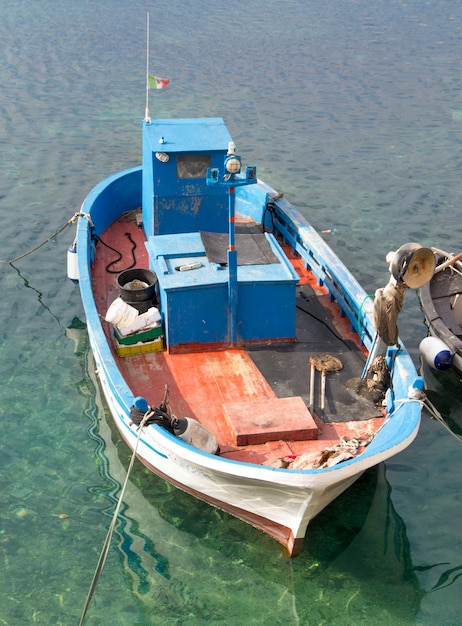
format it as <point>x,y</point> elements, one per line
<point>138,287</point>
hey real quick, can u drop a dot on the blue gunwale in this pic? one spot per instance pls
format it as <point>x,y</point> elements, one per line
<point>106,202</point>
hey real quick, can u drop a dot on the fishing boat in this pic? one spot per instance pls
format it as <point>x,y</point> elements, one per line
<point>150,525</point>
<point>236,352</point>
<point>441,301</point>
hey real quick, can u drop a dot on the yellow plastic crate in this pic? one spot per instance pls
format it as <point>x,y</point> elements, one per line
<point>141,347</point>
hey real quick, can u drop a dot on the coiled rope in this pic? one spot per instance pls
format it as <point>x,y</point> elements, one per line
<point>152,416</point>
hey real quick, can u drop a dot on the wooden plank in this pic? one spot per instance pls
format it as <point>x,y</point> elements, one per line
<point>260,421</point>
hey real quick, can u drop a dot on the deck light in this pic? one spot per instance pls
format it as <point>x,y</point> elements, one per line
<point>233,165</point>
<point>162,157</point>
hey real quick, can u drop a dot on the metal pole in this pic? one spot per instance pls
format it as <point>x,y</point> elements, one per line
<point>312,383</point>
<point>146,113</point>
<point>232,269</point>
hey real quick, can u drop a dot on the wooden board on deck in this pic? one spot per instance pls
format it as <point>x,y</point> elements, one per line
<point>259,421</point>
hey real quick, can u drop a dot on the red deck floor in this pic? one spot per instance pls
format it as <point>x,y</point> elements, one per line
<point>209,381</point>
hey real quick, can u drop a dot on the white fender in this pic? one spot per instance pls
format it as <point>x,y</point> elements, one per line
<point>198,436</point>
<point>73,263</point>
<point>435,353</point>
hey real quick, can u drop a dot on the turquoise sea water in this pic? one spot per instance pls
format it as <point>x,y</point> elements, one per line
<point>353,108</point>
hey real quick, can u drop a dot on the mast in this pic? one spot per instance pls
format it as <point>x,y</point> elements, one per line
<point>147,119</point>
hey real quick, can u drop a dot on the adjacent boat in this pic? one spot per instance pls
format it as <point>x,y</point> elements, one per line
<point>221,321</point>
<point>441,300</point>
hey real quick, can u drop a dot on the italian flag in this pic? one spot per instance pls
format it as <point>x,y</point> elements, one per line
<point>158,83</point>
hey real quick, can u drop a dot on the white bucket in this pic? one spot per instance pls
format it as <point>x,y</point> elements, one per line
<point>120,313</point>
<point>144,321</point>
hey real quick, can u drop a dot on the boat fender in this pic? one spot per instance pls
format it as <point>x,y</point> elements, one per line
<point>73,263</point>
<point>193,432</point>
<point>435,353</point>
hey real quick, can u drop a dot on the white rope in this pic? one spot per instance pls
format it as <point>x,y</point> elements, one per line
<point>68,223</point>
<point>435,414</point>
<point>107,542</point>
<point>416,395</point>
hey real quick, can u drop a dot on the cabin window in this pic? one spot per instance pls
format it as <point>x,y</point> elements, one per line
<point>192,165</point>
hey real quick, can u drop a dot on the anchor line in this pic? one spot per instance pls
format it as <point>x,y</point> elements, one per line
<point>435,414</point>
<point>107,541</point>
<point>55,234</point>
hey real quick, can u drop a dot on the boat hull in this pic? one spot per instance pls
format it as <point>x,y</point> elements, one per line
<point>443,319</point>
<point>280,502</point>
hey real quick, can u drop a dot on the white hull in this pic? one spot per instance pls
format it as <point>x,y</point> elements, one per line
<point>279,502</point>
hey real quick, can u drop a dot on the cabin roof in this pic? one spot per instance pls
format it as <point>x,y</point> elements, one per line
<point>188,135</point>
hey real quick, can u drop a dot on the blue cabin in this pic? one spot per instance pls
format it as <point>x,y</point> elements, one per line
<point>176,156</point>
<point>207,295</point>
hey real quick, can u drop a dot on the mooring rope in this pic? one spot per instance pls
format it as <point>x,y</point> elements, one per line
<point>107,542</point>
<point>435,414</point>
<point>420,396</point>
<point>55,234</point>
